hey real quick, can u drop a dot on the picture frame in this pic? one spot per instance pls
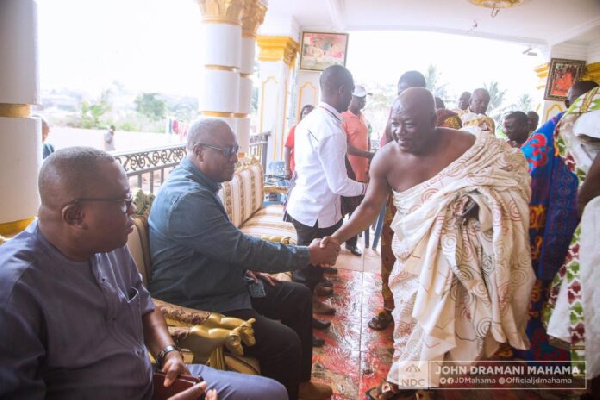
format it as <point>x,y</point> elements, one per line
<point>319,50</point>
<point>562,74</point>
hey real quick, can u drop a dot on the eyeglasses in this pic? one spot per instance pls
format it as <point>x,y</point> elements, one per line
<point>226,152</point>
<point>125,203</point>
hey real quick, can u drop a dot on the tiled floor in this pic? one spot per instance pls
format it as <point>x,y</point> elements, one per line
<point>355,357</point>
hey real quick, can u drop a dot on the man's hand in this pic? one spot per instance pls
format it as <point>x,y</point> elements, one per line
<point>195,392</point>
<point>261,275</point>
<point>288,174</point>
<point>323,254</point>
<point>173,366</point>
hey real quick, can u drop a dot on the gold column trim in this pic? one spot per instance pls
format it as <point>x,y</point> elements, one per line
<point>315,92</point>
<point>15,110</point>
<point>253,17</point>
<point>14,227</point>
<point>221,11</point>
<point>245,75</point>
<point>216,114</point>
<point>221,68</point>
<point>241,115</point>
<point>592,72</point>
<point>542,73</point>
<point>278,48</point>
<point>271,78</point>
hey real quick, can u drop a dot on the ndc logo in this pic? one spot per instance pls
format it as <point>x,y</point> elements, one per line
<point>413,368</point>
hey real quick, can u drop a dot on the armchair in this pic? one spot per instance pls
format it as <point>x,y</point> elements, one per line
<point>205,334</point>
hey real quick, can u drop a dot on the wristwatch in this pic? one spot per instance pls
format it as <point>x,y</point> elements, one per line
<point>161,356</point>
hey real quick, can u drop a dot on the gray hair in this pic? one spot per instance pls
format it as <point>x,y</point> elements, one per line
<point>201,129</point>
<point>70,172</point>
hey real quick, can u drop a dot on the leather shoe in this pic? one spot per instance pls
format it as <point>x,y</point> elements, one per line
<point>314,391</point>
<point>320,324</point>
<point>326,282</point>
<point>317,341</point>
<point>321,290</point>
<point>319,307</point>
<point>355,251</point>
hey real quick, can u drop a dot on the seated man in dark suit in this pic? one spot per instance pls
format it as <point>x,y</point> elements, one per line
<point>75,319</point>
<point>200,260</point>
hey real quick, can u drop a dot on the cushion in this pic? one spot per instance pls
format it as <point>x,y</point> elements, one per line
<point>269,221</point>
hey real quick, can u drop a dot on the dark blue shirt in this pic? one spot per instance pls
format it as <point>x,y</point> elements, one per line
<point>198,255</point>
<point>71,330</point>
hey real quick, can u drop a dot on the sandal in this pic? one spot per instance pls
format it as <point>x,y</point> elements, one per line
<point>388,391</point>
<point>381,321</point>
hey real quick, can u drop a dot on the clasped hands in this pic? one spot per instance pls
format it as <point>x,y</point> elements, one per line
<point>324,251</point>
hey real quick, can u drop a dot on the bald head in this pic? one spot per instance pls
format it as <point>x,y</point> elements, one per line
<point>417,100</point>
<point>206,130</point>
<point>71,173</point>
<point>578,89</point>
<point>479,101</point>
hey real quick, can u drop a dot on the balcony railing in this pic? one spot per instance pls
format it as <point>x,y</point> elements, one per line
<point>148,169</point>
<point>259,145</point>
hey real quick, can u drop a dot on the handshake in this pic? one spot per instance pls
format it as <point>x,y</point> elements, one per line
<point>324,251</point>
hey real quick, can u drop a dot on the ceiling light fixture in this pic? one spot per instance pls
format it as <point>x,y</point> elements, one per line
<point>496,5</point>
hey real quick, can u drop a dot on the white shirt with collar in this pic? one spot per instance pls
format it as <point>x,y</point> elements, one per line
<point>320,149</point>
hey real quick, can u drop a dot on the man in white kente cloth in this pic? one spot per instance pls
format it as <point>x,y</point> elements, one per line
<point>462,277</point>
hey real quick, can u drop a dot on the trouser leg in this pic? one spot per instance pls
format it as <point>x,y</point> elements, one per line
<point>284,349</point>
<point>311,276</point>
<point>232,385</point>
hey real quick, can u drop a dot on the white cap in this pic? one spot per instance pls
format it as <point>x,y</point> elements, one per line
<point>359,91</point>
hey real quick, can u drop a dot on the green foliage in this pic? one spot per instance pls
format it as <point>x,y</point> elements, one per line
<point>433,82</point>
<point>149,105</point>
<point>496,95</point>
<point>91,113</point>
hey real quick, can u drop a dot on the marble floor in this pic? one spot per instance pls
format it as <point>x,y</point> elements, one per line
<point>356,358</point>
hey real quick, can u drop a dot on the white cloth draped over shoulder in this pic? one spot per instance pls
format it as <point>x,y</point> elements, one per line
<point>462,285</point>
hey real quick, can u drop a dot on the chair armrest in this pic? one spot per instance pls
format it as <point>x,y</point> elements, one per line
<point>181,316</point>
<point>278,239</point>
<point>203,340</point>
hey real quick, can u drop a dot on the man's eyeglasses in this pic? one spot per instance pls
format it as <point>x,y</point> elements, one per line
<point>226,152</point>
<point>125,203</point>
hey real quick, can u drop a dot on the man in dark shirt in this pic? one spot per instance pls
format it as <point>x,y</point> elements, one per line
<point>74,315</point>
<point>200,260</point>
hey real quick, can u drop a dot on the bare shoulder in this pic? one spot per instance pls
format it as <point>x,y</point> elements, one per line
<point>385,158</point>
<point>460,141</point>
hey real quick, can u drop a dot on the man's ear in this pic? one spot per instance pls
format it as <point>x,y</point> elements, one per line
<point>73,214</point>
<point>198,152</point>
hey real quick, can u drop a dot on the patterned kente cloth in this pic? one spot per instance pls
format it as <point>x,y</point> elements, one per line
<point>462,285</point>
<point>448,119</point>
<point>553,219</point>
<point>564,314</point>
<point>482,121</point>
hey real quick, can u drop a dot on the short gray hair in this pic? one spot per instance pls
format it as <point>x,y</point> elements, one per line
<point>201,129</point>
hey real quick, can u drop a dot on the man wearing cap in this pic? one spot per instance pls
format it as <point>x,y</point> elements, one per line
<point>357,132</point>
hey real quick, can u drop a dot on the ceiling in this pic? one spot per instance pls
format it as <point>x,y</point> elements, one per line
<point>537,22</point>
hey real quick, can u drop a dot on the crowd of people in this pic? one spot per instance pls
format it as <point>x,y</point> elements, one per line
<point>487,242</point>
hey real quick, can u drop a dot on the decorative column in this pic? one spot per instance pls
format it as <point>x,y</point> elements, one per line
<point>222,25</point>
<point>20,135</point>
<point>277,56</point>
<point>253,17</point>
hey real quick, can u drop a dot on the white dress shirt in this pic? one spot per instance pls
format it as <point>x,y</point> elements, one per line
<point>321,178</point>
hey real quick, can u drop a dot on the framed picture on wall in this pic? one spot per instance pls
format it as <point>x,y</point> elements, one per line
<point>562,74</point>
<point>319,50</point>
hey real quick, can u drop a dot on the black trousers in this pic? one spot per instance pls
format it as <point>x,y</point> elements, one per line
<point>284,350</point>
<point>310,275</point>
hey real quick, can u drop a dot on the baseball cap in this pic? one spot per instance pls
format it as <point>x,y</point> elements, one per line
<point>359,91</point>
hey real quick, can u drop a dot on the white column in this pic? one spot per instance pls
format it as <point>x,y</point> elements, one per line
<point>222,25</point>
<point>254,13</point>
<point>20,135</point>
<point>276,61</point>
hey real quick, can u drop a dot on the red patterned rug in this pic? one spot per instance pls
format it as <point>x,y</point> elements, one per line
<point>356,358</point>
